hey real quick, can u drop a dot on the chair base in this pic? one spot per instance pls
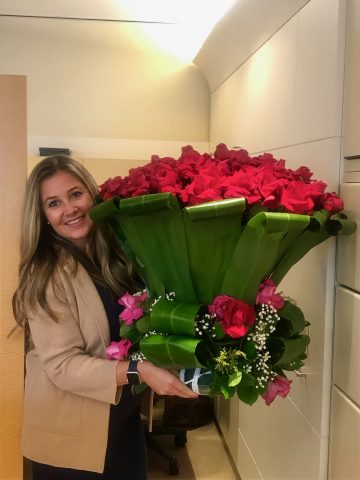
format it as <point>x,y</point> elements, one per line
<point>180,440</point>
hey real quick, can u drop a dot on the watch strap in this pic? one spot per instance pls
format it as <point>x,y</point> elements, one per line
<point>133,376</point>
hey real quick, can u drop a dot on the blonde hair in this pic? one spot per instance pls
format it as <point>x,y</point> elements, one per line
<point>40,245</point>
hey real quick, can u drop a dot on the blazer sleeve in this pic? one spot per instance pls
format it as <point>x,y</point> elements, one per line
<point>70,362</point>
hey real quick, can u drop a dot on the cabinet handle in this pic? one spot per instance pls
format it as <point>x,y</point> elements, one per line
<point>299,373</point>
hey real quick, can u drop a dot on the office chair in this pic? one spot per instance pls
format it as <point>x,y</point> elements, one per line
<point>154,427</point>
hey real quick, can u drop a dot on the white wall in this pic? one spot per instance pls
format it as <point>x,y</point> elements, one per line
<point>286,98</point>
<point>90,82</point>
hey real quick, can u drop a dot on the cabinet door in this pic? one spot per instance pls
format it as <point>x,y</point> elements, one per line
<point>346,343</point>
<point>344,461</point>
<point>349,245</point>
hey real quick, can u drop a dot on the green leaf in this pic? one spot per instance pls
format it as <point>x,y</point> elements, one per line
<point>143,324</point>
<point>171,351</point>
<point>247,395</point>
<point>307,240</point>
<point>256,252</point>
<point>292,320</point>
<point>225,392</point>
<point>248,380</point>
<point>174,317</point>
<point>340,226</point>
<point>246,390</point>
<point>219,331</point>
<point>130,332</point>
<point>284,351</point>
<point>209,226</point>
<point>235,378</point>
<point>249,348</point>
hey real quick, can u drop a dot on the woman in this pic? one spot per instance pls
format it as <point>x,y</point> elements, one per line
<point>80,419</point>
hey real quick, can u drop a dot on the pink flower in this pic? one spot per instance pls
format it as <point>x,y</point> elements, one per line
<point>132,310</point>
<point>118,350</point>
<point>278,386</point>
<point>266,294</point>
<point>218,306</point>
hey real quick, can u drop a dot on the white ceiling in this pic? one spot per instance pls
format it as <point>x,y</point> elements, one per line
<point>174,26</point>
<point>124,10</point>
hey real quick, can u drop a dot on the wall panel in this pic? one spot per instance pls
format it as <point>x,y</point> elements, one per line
<point>12,183</point>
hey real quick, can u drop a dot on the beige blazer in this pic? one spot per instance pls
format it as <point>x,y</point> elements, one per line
<point>69,383</point>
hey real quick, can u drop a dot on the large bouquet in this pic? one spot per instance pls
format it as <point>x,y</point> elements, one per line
<point>212,236</point>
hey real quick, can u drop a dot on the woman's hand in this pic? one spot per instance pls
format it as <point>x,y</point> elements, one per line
<point>163,382</point>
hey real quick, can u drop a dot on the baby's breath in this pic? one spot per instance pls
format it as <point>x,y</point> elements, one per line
<point>205,325</point>
<point>267,319</point>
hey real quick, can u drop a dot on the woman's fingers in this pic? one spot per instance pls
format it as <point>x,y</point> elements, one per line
<point>164,382</point>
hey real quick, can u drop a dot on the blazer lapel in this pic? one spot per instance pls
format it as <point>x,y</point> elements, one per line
<point>85,289</point>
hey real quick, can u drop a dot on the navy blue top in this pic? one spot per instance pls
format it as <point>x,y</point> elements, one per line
<point>113,310</point>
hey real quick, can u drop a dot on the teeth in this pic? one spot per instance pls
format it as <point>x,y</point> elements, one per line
<point>74,222</point>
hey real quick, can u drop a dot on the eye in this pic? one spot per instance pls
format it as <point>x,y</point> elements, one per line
<point>77,194</point>
<point>53,203</point>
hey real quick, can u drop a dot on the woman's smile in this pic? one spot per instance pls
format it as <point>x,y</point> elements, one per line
<point>66,203</point>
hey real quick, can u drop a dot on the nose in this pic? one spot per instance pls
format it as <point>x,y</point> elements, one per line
<point>70,208</point>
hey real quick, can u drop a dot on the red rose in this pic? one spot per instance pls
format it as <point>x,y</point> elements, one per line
<point>112,187</point>
<point>197,178</point>
<point>272,194</point>
<point>295,199</point>
<point>304,173</point>
<point>332,203</point>
<point>200,191</point>
<point>238,318</point>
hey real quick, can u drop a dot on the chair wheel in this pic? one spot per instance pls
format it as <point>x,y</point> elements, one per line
<point>180,440</point>
<point>173,466</point>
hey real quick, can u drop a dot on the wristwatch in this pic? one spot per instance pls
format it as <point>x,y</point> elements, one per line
<point>133,375</point>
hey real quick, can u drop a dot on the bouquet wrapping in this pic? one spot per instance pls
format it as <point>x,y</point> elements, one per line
<point>212,237</point>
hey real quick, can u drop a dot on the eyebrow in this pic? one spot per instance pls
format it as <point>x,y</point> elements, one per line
<point>56,196</point>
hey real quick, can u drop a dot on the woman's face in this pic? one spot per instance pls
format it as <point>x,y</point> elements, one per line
<point>66,203</point>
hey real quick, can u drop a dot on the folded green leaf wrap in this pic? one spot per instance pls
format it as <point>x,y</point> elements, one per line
<point>212,249</point>
<point>174,317</point>
<point>171,351</point>
<point>205,250</point>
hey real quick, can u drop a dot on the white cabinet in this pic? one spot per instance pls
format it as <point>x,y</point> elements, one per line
<point>345,438</point>
<point>349,245</point>
<point>346,370</point>
<point>344,453</point>
<point>352,80</point>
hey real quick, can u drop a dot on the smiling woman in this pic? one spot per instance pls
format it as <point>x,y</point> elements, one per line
<point>78,404</point>
<point>66,203</point>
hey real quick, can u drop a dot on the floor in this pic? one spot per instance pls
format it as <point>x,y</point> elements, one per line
<point>203,458</point>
